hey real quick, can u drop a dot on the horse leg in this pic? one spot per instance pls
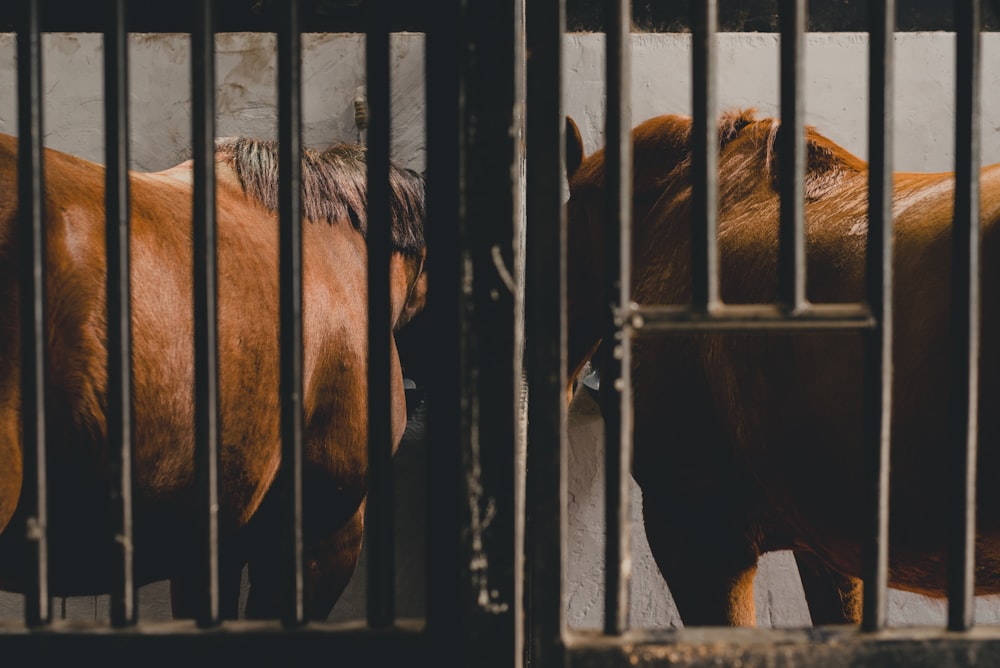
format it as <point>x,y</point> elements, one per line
<point>187,591</point>
<point>708,569</point>
<point>330,563</point>
<point>832,598</point>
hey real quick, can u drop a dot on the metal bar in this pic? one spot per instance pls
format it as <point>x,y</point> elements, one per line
<point>31,232</point>
<point>650,319</point>
<point>965,325</point>
<point>522,616</point>
<point>379,524</point>
<point>704,159</point>
<point>545,334</point>
<point>445,181</point>
<point>489,460</point>
<point>828,647</point>
<point>206,356</point>
<point>878,342</point>
<point>290,288</point>
<point>616,367</point>
<point>792,158</point>
<point>250,643</point>
<point>124,597</point>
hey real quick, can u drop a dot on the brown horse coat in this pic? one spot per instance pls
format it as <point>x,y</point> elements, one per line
<point>751,442</point>
<point>334,378</point>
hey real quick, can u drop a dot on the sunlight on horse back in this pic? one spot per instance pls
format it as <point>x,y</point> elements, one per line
<point>746,443</point>
<point>334,296</point>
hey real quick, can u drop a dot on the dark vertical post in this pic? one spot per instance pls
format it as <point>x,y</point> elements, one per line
<point>489,458</point>
<point>446,508</point>
<point>379,526</point>
<point>965,327</point>
<point>704,158</point>
<point>206,356</point>
<point>545,333</point>
<point>470,233</point>
<point>124,596</point>
<point>878,357</point>
<point>616,367</point>
<point>290,288</point>
<point>31,232</point>
<point>792,157</point>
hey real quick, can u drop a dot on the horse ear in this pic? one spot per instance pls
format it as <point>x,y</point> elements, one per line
<point>574,147</point>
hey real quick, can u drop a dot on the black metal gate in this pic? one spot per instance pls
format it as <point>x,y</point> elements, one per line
<point>470,611</point>
<point>873,643</point>
<point>495,547</point>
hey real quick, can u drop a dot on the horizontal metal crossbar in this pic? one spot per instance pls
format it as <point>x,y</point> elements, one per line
<point>243,643</point>
<point>737,317</point>
<point>818,648</point>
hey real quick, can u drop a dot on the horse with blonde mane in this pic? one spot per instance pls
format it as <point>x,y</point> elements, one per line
<point>746,443</point>
<point>335,357</point>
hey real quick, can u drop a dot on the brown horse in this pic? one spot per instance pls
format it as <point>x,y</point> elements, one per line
<point>335,354</point>
<point>752,442</point>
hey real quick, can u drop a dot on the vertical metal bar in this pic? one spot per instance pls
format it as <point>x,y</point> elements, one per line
<point>206,365</point>
<point>290,288</point>
<point>704,159</point>
<point>792,157</point>
<point>445,181</point>
<point>31,232</point>
<point>124,596</point>
<point>545,333</point>
<point>616,367</point>
<point>471,189</point>
<point>379,524</point>
<point>490,215</point>
<point>965,312</point>
<point>522,616</point>
<point>878,358</point>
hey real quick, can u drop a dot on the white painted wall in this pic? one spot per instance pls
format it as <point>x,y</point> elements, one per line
<point>333,70</point>
<point>836,87</point>
<point>333,74</point>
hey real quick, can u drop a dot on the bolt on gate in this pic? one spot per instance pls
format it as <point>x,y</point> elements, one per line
<point>495,510</point>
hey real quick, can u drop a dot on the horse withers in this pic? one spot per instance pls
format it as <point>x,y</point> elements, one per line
<point>335,357</point>
<point>750,442</point>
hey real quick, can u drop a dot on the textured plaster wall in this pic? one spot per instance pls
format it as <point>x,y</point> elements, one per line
<point>333,75</point>
<point>246,101</point>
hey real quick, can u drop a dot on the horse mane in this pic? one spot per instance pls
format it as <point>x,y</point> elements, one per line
<point>334,186</point>
<point>826,161</point>
<point>662,154</point>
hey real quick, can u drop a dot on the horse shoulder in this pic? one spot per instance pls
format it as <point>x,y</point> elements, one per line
<point>10,448</point>
<point>335,338</point>
<point>75,280</point>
